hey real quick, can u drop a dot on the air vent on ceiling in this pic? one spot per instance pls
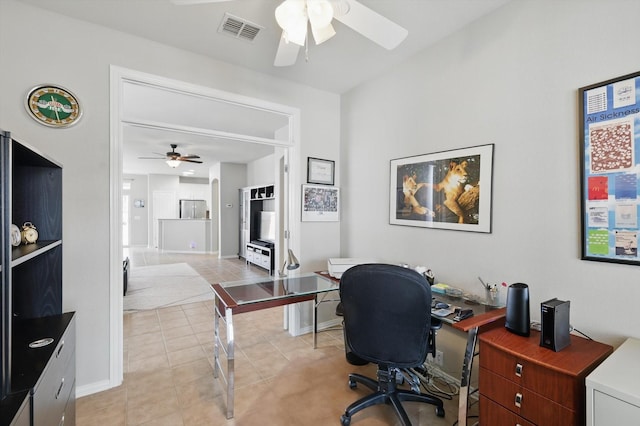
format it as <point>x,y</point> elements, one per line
<point>238,27</point>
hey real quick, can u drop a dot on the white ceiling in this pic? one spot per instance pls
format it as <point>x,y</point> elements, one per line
<point>215,130</point>
<point>337,65</point>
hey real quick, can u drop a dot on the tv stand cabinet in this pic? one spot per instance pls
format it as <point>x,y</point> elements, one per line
<point>253,200</point>
<point>260,253</point>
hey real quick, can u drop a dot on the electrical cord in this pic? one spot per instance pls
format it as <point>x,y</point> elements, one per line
<point>535,325</point>
<point>435,382</point>
<point>581,333</point>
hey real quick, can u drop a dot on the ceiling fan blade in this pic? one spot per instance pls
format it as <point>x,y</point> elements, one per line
<point>189,2</point>
<point>188,157</point>
<point>287,53</point>
<point>189,161</point>
<point>372,25</point>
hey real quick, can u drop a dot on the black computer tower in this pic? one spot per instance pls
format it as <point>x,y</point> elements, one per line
<point>555,325</point>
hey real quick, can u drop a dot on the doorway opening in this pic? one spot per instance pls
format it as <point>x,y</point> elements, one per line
<point>223,124</point>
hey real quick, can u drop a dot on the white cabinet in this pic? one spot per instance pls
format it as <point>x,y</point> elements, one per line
<point>613,389</point>
<point>254,201</point>
<point>245,220</point>
<point>260,255</point>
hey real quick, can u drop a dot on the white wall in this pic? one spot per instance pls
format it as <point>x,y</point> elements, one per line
<point>82,65</point>
<point>138,216</point>
<point>261,171</point>
<point>510,79</point>
<point>195,191</point>
<point>231,178</point>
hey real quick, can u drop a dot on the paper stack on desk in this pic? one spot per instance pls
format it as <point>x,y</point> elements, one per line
<point>439,288</point>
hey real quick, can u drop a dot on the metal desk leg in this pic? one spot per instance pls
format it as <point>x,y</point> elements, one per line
<point>230,376</point>
<point>216,338</point>
<point>469,354</point>
<point>230,362</point>
<point>315,321</point>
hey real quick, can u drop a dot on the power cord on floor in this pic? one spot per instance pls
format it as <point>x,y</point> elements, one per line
<point>435,382</point>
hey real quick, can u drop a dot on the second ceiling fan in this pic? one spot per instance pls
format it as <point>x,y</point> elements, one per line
<point>296,16</point>
<point>174,158</point>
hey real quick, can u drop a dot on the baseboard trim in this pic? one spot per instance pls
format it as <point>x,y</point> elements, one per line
<point>95,387</point>
<point>321,326</point>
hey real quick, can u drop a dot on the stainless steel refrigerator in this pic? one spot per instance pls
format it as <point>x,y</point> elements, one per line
<point>193,209</point>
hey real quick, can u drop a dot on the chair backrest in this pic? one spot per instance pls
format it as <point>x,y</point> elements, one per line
<point>387,314</point>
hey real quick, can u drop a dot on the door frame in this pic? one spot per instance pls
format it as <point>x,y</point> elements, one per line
<point>290,147</point>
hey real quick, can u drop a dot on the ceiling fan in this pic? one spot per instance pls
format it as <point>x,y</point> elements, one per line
<point>174,158</point>
<point>295,16</point>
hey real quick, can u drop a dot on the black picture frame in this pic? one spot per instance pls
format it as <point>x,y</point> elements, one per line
<point>610,170</point>
<point>442,190</point>
<point>320,172</point>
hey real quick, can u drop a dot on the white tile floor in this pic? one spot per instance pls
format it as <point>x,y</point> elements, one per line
<point>280,379</point>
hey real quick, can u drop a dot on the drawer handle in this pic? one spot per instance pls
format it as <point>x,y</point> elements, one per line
<point>60,349</point>
<point>519,370</point>
<point>60,388</point>
<point>518,400</point>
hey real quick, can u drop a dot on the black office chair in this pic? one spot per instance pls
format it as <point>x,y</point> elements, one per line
<point>387,321</point>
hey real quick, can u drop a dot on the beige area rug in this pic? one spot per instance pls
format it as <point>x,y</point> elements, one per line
<point>153,287</point>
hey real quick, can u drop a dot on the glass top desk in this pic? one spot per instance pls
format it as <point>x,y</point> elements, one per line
<point>236,297</point>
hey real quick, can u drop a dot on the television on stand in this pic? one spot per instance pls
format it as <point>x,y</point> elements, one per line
<point>268,227</point>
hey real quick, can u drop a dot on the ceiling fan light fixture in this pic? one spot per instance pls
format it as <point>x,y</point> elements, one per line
<point>320,13</point>
<point>320,35</point>
<point>173,163</point>
<point>291,16</point>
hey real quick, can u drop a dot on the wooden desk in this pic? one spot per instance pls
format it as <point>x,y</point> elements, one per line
<point>524,383</point>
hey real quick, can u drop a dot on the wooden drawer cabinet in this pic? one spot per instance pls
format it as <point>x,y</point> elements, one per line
<point>524,402</point>
<point>494,414</point>
<point>523,383</point>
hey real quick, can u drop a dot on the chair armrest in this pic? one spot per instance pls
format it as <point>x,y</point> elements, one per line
<point>436,324</point>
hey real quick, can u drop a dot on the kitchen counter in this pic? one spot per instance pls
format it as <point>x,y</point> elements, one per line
<point>184,235</point>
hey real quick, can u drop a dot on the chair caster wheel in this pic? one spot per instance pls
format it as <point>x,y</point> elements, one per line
<point>352,384</point>
<point>439,411</point>
<point>345,420</point>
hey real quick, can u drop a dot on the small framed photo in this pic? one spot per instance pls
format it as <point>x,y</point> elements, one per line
<point>320,171</point>
<point>320,203</point>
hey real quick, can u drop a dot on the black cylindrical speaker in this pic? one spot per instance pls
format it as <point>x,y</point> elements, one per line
<point>518,320</point>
